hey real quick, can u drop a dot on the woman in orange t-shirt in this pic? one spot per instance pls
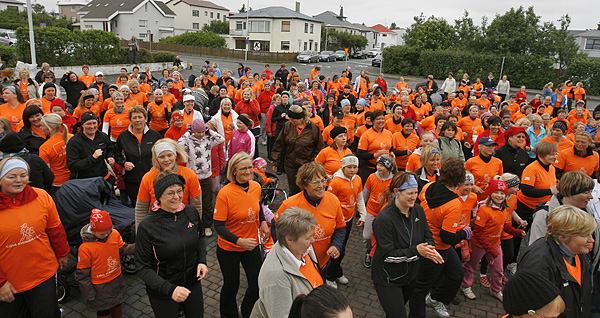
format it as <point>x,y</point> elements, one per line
<point>14,106</point>
<point>86,104</point>
<point>241,225</point>
<point>158,111</point>
<point>34,244</point>
<point>116,119</point>
<point>331,157</point>
<point>404,143</point>
<point>54,150</point>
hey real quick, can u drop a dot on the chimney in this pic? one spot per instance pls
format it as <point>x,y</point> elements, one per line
<point>298,6</point>
<point>342,11</point>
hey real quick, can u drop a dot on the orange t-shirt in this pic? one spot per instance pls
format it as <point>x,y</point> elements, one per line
<point>400,143</point>
<point>568,161</point>
<point>428,123</point>
<point>391,126</point>
<point>414,162</point>
<point>536,176</point>
<point>157,115</point>
<point>467,210</point>
<point>145,88</point>
<point>422,111</point>
<point>578,93</point>
<point>484,172</point>
<point>378,105</point>
<point>492,221</point>
<point>179,85</point>
<point>54,152</point>
<point>564,143</point>
<point>373,141</point>
<point>316,119</point>
<point>240,211</point>
<point>347,192</point>
<point>170,98</point>
<point>468,125</point>
<point>512,202</point>
<point>445,217</point>
<point>376,187</point>
<point>227,120</point>
<point>26,257</point>
<point>13,115</point>
<point>400,85</point>
<point>575,271</point>
<point>329,217</point>
<point>361,130</point>
<point>23,88</point>
<point>78,111</point>
<point>460,103</point>
<point>349,122</point>
<point>46,105</point>
<point>118,123</point>
<point>310,271</point>
<point>140,97</point>
<point>485,102</point>
<point>102,258</point>
<point>477,87</point>
<point>192,185</point>
<point>331,159</point>
<point>87,80</point>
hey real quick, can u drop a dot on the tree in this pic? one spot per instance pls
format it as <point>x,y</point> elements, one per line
<point>38,8</point>
<point>470,37</point>
<point>431,34</point>
<point>514,32</point>
<point>216,26</point>
<point>242,9</point>
<point>393,26</point>
<point>338,40</point>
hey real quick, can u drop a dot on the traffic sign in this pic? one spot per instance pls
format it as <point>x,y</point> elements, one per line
<point>247,41</point>
<point>149,31</point>
<point>346,49</point>
<point>43,25</point>
<point>256,46</point>
<point>382,45</point>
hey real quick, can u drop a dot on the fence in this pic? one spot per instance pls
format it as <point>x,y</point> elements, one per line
<point>270,57</point>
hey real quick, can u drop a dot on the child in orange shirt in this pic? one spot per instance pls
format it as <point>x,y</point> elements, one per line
<point>260,167</point>
<point>490,222</point>
<point>99,267</point>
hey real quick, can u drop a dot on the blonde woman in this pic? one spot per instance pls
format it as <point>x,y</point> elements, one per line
<point>28,87</point>
<point>54,150</point>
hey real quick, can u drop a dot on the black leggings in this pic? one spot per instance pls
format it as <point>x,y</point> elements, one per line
<point>389,297</point>
<point>193,306</point>
<point>207,202</point>
<point>335,267</point>
<point>132,189</point>
<point>38,302</point>
<point>230,268</point>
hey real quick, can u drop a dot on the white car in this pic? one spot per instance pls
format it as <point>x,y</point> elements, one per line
<point>373,53</point>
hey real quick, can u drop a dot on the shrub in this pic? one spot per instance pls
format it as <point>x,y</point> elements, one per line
<point>587,71</point>
<point>163,57</point>
<point>8,55</point>
<point>202,39</point>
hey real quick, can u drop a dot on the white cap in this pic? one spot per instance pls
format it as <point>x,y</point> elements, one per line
<point>186,90</point>
<point>189,97</point>
<point>99,74</point>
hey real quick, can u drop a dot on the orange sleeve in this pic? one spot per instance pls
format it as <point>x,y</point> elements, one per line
<point>144,192</point>
<point>84,258</point>
<point>221,206</point>
<point>451,214</point>
<point>194,185</point>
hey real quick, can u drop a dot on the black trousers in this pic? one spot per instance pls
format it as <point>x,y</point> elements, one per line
<point>207,202</point>
<point>335,268</point>
<point>256,133</point>
<point>291,176</point>
<point>525,213</point>
<point>389,297</point>
<point>193,306</point>
<point>132,189</point>
<point>230,268</point>
<point>447,278</point>
<point>38,302</point>
<point>270,143</point>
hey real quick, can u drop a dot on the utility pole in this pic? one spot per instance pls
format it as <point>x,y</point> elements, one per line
<point>247,29</point>
<point>31,37</point>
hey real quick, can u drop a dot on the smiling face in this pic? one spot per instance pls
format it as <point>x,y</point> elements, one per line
<point>36,120</point>
<point>582,143</point>
<point>498,197</point>
<point>244,171</point>
<point>406,198</point>
<point>90,127</point>
<point>14,181</point>
<point>167,160</point>
<point>433,163</point>
<point>379,122</point>
<point>171,199</point>
<point>579,244</point>
<point>316,186</point>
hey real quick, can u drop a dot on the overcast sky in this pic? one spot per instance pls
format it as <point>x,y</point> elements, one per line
<point>584,13</point>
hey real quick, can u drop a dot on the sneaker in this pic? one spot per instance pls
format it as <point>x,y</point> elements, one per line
<point>331,283</point>
<point>512,268</point>
<point>437,306</point>
<point>264,142</point>
<point>484,281</point>
<point>497,295</point>
<point>367,260</point>
<point>468,292</point>
<point>208,232</point>
<point>342,280</point>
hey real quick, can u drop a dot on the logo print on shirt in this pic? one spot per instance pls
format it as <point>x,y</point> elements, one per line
<point>252,217</point>
<point>28,234</point>
<point>319,233</point>
<point>382,145</point>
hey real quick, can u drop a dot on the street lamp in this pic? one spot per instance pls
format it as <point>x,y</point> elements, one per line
<point>326,35</point>
<point>31,37</point>
<point>247,29</point>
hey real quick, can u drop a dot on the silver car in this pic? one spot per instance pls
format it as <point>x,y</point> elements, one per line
<point>308,57</point>
<point>8,37</point>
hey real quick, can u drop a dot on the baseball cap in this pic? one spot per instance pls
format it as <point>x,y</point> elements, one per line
<point>487,141</point>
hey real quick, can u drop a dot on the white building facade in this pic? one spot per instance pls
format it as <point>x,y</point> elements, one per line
<point>192,15</point>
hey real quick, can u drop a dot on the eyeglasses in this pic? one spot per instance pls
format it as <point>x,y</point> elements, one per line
<point>245,169</point>
<point>317,183</point>
<point>171,194</point>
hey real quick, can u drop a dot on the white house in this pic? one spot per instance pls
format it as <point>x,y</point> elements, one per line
<point>12,4</point>
<point>387,37</point>
<point>70,8</point>
<point>192,15</point>
<point>145,19</point>
<point>588,42</point>
<point>274,29</point>
<point>370,34</point>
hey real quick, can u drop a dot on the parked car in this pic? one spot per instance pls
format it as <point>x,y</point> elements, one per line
<point>376,61</point>
<point>8,37</point>
<point>326,56</point>
<point>373,53</point>
<point>308,57</point>
<point>359,54</point>
<point>340,55</point>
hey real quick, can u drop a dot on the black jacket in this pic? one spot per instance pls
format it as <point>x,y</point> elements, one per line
<point>326,115</point>
<point>128,149</point>
<point>282,76</point>
<point>513,160</point>
<point>545,257</point>
<point>38,76</point>
<point>104,89</point>
<point>72,89</point>
<point>31,140</point>
<point>168,249</point>
<point>215,105</point>
<point>349,97</point>
<point>276,118</point>
<point>79,155</point>
<point>396,258</point>
<point>489,83</point>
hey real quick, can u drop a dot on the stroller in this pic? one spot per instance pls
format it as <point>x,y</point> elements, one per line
<point>74,201</point>
<point>270,191</point>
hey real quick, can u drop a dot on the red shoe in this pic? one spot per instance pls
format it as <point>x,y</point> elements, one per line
<point>484,281</point>
<point>504,279</point>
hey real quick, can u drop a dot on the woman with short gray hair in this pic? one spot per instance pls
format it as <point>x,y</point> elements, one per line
<point>291,266</point>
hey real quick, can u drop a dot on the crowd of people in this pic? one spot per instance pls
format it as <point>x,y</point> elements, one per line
<point>442,181</point>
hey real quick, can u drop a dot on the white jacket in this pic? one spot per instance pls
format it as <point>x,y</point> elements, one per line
<point>449,86</point>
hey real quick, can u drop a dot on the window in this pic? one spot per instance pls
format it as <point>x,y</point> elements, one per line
<point>592,44</point>
<point>211,15</point>
<point>305,46</point>
<point>205,13</point>
<point>195,13</point>
<point>312,26</point>
<point>224,18</point>
<point>143,23</point>
<point>260,26</point>
<point>285,45</point>
<point>305,28</point>
<point>142,35</point>
<point>146,7</point>
<point>384,35</point>
<point>239,25</point>
<point>73,9</point>
<point>89,27</point>
<point>240,44</point>
<point>218,16</point>
<point>285,26</point>
<point>60,10</point>
<point>196,26</point>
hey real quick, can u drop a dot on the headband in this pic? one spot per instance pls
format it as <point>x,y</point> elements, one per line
<point>11,88</point>
<point>469,178</point>
<point>387,163</point>
<point>123,86</point>
<point>513,182</point>
<point>163,146</point>
<point>294,115</point>
<point>244,120</point>
<point>574,190</point>
<point>12,164</point>
<point>411,182</point>
<point>435,151</point>
<point>86,97</point>
<point>350,160</point>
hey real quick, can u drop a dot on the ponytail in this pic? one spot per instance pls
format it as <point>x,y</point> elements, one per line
<point>65,133</point>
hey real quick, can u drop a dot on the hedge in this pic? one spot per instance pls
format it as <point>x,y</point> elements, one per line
<point>587,71</point>
<point>203,39</point>
<point>521,69</point>
<point>8,55</point>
